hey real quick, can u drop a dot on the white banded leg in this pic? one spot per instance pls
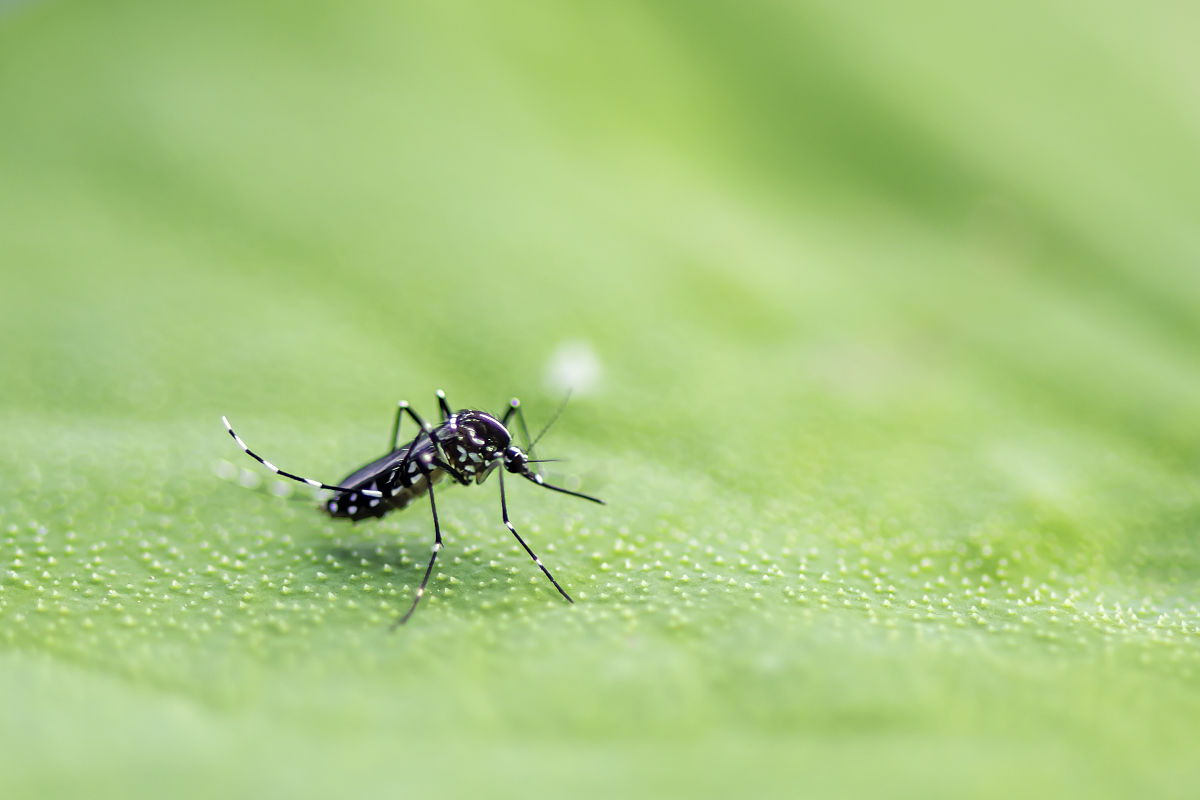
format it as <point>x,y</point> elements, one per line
<point>403,408</point>
<point>426,429</point>
<point>437,546</point>
<point>513,531</point>
<point>443,405</point>
<point>514,407</point>
<point>313,483</point>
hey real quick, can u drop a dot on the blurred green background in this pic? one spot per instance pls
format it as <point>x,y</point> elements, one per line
<point>895,311</point>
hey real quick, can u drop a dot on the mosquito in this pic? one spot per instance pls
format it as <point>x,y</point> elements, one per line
<point>467,446</point>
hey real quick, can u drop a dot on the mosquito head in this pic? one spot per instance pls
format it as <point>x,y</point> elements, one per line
<point>515,460</point>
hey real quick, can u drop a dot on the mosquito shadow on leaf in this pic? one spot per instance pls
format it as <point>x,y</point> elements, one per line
<point>371,556</point>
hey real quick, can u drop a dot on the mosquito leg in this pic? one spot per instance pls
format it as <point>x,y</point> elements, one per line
<point>513,531</point>
<point>514,407</point>
<point>313,483</point>
<point>426,429</point>
<point>437,546</point>
<point>451,471</point>
<point>394,442</point>
<point>403,408</point>
<point>446,412</point>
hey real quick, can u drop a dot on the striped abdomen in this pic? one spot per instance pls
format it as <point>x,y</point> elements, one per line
<point>383,475</point>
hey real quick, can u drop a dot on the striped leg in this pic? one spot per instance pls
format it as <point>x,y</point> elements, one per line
<point>403,408</point>
<point>514,407</point>
<point>513,531</point>
<point>443,405</point>
<point>426,429</point>
<point>313,483</point>
<point>437,546</point>
<point>394,441</point>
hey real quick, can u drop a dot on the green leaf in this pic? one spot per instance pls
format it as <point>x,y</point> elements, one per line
<point>882,324</point>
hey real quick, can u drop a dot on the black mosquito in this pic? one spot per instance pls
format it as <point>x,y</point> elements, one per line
<point>467,445</point>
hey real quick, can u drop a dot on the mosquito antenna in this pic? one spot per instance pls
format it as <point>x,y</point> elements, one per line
<point>561,406</point>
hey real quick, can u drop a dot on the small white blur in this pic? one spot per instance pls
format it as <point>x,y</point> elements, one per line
<point>573,367</point>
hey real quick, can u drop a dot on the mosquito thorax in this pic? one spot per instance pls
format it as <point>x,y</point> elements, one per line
<point>479,432</point>
<point>473,442</point>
